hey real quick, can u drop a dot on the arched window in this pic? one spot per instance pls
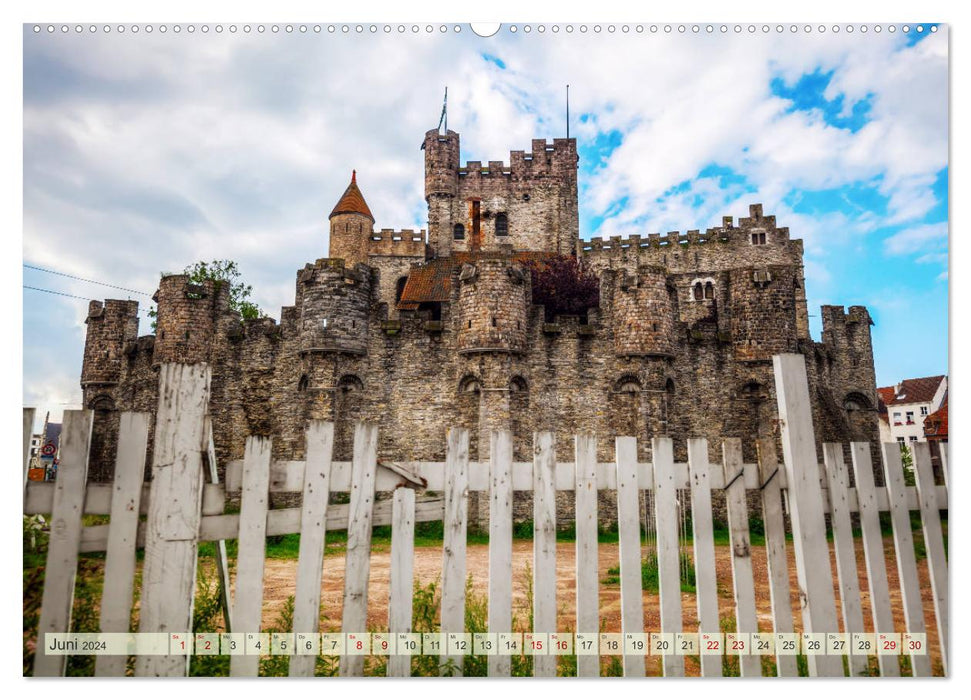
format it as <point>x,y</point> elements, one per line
<point>699,292</point>
<point>517,384</point>
<point>400,288</point>
<point>502,225</point>
<point>458,232</point>
<point>627,384</point>
<point>709,290</point>
<point>303,383</point>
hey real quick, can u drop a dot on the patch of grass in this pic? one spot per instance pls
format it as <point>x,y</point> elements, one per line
<point>650,573</point>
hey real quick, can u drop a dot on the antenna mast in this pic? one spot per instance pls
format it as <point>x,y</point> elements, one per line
<point>444,118</point>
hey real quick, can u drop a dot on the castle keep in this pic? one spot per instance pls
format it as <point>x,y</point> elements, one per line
<point>421,331</point>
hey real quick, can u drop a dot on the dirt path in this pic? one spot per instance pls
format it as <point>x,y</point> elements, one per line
<point>281,575</point>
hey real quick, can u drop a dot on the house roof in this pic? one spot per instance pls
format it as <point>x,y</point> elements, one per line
<point>919,390</point>
<point>352,201</point>
<point>935,425</point>
<point>432,281</point>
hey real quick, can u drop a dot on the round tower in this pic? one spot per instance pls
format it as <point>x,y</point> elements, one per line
<point>441,186</point>
<point>351,226</point>
<point>187,317</point>
<point>493,303</point>
<point>643,313</point>
<point>112,326</point>
<point>334,302</point>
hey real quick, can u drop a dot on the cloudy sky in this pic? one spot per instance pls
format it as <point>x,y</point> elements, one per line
<point>146,152</point>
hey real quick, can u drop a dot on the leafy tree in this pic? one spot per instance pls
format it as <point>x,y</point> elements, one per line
<point>564,286</point>
<point>222,271</point>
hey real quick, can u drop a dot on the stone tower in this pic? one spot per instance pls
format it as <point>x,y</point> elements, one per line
<point>351,226</point>
<point>441,188</point>
<point>493,302</point>
<point>529,205</point>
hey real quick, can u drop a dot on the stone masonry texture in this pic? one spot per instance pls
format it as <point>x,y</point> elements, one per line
<point>680,346</point>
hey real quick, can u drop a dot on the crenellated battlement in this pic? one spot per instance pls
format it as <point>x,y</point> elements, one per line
<point>403,243</point>
<point>545,159</point>
<point>727,233</point>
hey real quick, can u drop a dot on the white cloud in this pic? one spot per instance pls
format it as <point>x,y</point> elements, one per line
<point>928,237</point>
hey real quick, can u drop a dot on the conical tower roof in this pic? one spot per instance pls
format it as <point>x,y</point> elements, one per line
<point>352,201</point>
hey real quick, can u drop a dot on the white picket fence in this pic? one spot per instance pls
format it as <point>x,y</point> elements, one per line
<point>183,510</point>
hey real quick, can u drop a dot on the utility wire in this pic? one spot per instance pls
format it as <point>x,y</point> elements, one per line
<point>64,294</point>
<point>82,279</point>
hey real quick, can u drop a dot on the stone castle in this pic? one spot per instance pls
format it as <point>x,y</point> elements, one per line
<point>419,332</point>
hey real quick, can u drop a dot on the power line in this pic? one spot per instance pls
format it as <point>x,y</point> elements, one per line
<point>82,279</point>
<point>65,294</point>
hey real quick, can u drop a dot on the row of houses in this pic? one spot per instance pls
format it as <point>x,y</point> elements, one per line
<point>914,410</point>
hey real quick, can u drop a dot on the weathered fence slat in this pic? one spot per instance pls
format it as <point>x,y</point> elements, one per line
<point>455,526</point>
<point>587,559</point>
<point>171,548</point>
<point>28,432</point>
<point>742,578</point>
<point>628,526</point>
<point>668,551</point>
<point>65,536</point>
<point>544,547</point>
<point>930,515</point>
<point>904,552</point>
<point>251,554</point>
<point>500,545</point>
<point>357,566</point>
<point>402,574</point>
<point>813,567</point>
<point>945,472</point>
<point>706,584</point>
<point>116,598</point>
<point>775,550</point>
<point>313,526</point>
<point>876,563</point>
<point>222,559</point>
<point>849,582</point>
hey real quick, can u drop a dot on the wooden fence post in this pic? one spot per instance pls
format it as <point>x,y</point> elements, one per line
<point>876,563</point>
<point>903,539</point>
<point>775,550</point>
<point>65,539</point>
<point>706,583</point>
<point>402,579</point>
<point>813,567</point>
<point>455,533</point>
<point>251,549</point>
<point>742,579</point>
<point>628,525</point>
<point>668,551</point>
<point>544,547</point>
<point>849,581</point>
<point>222,559</point>
<point>930,515</point>
<point>357,565</point>
<point>587,560</point>
<point>28,432</point>
<point>175,505</point>
<point>126,496</point>
<point>313,530</point>
<point>500,544</point>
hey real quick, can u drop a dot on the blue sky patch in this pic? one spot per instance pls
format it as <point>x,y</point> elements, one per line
<point>495,60</point>
<point>808,94</point>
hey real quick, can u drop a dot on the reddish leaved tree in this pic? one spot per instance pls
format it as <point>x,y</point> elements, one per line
<point>563,286</point>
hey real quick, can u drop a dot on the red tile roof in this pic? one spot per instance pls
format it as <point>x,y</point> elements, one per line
<point>432,281</point>
<point>919,390</point>
<point>935,425</point>
<point>352,201</point>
